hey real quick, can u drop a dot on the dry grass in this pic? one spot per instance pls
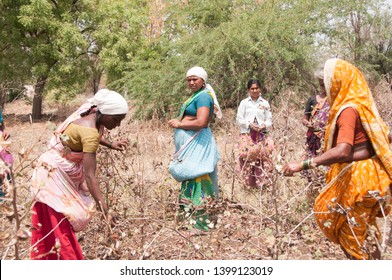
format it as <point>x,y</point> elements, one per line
<point>273,223</point>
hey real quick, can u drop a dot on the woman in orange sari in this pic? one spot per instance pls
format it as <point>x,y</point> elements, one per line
<point>358,153</point>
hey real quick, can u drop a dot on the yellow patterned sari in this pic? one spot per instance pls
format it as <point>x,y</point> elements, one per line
<point>357,192</point>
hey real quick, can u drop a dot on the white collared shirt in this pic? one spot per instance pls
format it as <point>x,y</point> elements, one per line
<point>249,110</point>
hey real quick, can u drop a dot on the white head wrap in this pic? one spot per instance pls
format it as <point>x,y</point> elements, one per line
<point>197,71</point>
<point>201,73</point>
<point>109,102</point>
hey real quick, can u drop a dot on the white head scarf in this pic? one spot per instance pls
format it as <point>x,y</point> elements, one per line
<point>109,102</point>
<point>201,73</point>
<point>198,72</point>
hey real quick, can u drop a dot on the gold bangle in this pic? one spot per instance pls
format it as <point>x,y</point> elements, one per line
<point>179,124</point>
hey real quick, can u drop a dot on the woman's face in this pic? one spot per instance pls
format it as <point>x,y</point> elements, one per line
<point>195,83</point>
<point>111,121</point>
<point>254,91</point>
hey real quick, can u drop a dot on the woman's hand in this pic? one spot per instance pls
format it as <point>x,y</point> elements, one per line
<point>110,218</point>
<point>254,126</point>
<point>292,167</point>
<point>197,122</point>
<point>307,123</point>
<point>310,125</point>
<point>257,127</point>
<point>262,127</point>
<point>174,123</point>
<point>119,145</point>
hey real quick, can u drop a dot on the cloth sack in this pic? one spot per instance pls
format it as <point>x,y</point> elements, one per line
<point>196,154</point>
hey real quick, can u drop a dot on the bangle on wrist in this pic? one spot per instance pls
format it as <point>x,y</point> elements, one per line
<point>110,144</point>
<point>305,165</point>
<point>308,164</point>
<point>179,124</point>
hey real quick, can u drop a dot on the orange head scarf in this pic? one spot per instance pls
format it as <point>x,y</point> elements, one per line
<point>346,87</point>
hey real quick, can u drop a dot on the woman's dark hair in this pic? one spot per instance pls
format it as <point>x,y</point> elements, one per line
<point>98,118</point>
<point>252,82</point>
<point>88,112</point>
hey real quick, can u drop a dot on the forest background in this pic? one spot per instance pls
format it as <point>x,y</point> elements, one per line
<point>67,50</point>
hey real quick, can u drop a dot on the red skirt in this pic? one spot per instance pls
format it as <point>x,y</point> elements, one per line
<point>49,225</point>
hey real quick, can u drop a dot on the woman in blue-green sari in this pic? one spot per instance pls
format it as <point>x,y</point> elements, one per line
<point>196,157</point>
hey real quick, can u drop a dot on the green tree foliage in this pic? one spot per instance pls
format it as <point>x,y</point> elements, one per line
<point>48,47</point>
<point>53,39</point>
<point>66,43</point>
<point>144,47</point>
<point>13,65</point>
<point>381,42</point>
<point>234,41</point>
<point>119,35</point>
<point>360,31</point>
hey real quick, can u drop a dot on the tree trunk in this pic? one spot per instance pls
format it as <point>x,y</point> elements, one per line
<point>96,81</point>
<point>97,75</point>
<point>37,100</point>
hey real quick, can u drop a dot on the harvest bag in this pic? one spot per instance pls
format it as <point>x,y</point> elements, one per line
<point>196,154</point>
